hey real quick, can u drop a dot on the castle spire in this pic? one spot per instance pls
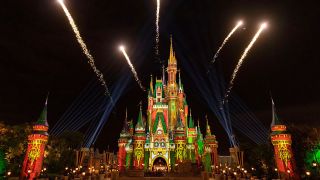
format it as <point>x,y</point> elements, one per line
<point>172,58</point>
<point>191,123</point>
<point>180,84</point>
<point>208,127</point>
<point>125,123</point>
<point>151,84</point>
<point>140,124</point>
<point>163,76</point>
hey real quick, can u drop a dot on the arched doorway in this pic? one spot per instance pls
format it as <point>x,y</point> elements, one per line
<point>160,165</point>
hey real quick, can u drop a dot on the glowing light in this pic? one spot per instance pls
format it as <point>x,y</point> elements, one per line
<point>84,47</point>
<point>308,173</point>
<point>135,74</point>
<point>235,72</point>
<point>9,173</point>
<point>226,40</point>
<point>157,27</point>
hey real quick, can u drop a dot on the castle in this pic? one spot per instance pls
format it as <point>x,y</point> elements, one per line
<point>168,136</point>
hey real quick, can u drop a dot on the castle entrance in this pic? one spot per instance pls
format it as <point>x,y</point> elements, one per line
<point>160,165</point>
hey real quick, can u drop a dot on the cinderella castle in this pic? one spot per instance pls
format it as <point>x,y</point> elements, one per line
<point>168,136</point>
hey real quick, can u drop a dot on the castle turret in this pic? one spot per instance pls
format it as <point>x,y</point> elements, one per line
<point>139,141</point>
<point>180,141</point>
<point>191,140</point>
<point>172,90</point>
<point>32,164</point>
<point>211,146</point>
<point>281,141</point>
<point>123,140</point>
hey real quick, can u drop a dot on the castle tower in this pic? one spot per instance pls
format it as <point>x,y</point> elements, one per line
<point>211,146</point>
<point>180,141</point>
<point>281,141</point>
<point>32,164</point>
<point>138,143</point>
<point>123,140</point>
<point>172,89</point>
<point>199,146</point>
<point>191,140</point>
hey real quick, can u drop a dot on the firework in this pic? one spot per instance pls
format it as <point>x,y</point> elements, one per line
<point>157,27</point>
<point>226,40</point>
<point>84,47</point>
<point>135,74</point>
<point>234,74</point>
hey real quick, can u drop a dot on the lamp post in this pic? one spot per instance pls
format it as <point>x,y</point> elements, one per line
<point>308,173</point>
<point>276,170</point>
<point>29,172</point>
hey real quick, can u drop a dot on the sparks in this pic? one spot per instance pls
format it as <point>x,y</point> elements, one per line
<point>226,40</point>
<point>84,47</point>
<point>135,74</point>
<point>157,27</point>
<point>234,74</point>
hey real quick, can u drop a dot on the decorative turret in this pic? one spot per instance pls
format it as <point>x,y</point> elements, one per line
<point>139,141</point>
<point>281,141</point>
<point>159,91</point>
<point>191,123</point>
<point>123,140</point>
<point>131,129</point>
<point>211,146</point>
<point>140,125</point>
<point>32,164</point>
<point>191,140</point>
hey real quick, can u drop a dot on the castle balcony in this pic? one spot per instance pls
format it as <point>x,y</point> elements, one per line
<point>160,106</point>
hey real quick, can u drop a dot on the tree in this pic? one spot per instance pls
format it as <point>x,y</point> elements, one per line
<point>13,142</point>
<point>61,151</point>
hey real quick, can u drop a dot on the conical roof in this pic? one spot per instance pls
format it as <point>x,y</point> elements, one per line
<point>43,116</point>
<point>191,123</point>
<point>140,124</point>
<point>275,118</point>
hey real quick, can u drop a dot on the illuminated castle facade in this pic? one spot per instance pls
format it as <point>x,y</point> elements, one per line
<point>168,136</point>
<point>32,164</point>
<point>281,140</point>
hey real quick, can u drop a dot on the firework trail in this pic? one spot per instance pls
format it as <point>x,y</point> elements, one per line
<point>234,74</point>
<point>84,47</point>
<point>226,40</point>
<point>122,49</point>
<point>157,27</point>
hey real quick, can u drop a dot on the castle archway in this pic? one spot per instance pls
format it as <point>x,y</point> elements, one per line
<point>160,165</point>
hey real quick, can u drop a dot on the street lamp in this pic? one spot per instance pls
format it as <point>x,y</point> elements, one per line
<point>314,164</point>
<point>308,173</point>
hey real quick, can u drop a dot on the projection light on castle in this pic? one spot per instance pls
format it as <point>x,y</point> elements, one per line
<point>168,136</point>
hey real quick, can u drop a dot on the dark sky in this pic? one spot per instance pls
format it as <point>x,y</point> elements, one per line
<point>38,53</point>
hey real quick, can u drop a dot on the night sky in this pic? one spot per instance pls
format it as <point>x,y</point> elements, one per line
<point>39,54</point>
